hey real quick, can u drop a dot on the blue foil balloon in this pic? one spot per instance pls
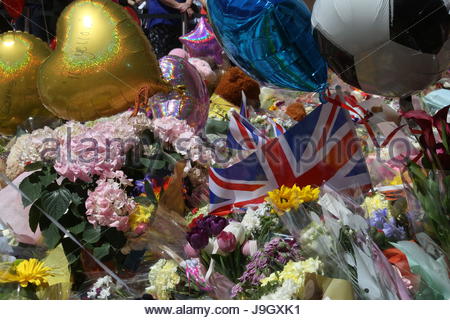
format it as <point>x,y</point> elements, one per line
<point>271,40</point>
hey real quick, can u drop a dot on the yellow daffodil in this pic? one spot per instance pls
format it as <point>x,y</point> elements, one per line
<point>141,214</point>
<point>309,194</point>
<point>285,199</point>
<point>273,108</point>
<point>31,271</point>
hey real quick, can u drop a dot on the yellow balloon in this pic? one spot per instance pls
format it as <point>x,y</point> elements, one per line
<point>101,61</point>
<point>21,54</point>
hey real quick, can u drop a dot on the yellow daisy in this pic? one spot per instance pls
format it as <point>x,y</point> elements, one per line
<point>32,271</point>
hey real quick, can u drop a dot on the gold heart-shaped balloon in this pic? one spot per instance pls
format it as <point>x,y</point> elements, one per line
<point>102,60</point>
<point>21,54</point>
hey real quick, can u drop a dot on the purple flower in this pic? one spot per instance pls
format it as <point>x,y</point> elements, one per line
<point>197,238</point>
<point>392,231</point>
<point>378,219</point>
<point>216,225</point>
<point>236,290</point>
<point>263,262</point>
<point>213,225</point>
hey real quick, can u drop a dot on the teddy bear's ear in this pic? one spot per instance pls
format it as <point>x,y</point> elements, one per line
<point>233,82</point>
<point>296,111</point>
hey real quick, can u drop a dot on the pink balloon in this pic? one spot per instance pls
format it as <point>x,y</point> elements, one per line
<point>192,104</point>
<point>201,42</point>
<point>179,53</point>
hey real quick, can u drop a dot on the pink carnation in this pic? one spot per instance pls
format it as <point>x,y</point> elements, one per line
<point>109,205</point>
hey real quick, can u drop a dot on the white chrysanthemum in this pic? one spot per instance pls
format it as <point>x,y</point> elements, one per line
<point>163,279</point>
<point>294,275</point>
<point>251,220</point>
<point>286,291</point>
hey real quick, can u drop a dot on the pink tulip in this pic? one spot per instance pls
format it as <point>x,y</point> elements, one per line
<point>226,241</point>
<point>249,248</point>
<point>191,252</point>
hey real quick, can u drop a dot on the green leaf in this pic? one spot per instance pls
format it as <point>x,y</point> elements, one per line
<point>143,201</point>
<point>76,199</point>
<point>149,191</point>
<point>145,162</point>
<point>34,166</point>
<point>56,203</point>
<point>103,250</point>
<point>47,177</point>
<point>52,236</point>
<point>77,229</point>
<point>214,126</point>
<point>34,217</point>
<point>153,164</point>
<point>172,158</point>
<point>91,235</point>
<point>31,189</point>
<point>114,237</point>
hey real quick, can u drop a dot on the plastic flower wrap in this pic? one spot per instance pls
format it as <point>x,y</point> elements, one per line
<point>291,203</point>
<point>429,264</point>
<point>347,252</point>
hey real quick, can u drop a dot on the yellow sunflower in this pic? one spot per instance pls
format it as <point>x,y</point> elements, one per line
<point>309,194</point>
<point>285,199</point>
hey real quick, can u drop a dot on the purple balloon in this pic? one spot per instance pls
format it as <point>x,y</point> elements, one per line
<point>201,42</point>
<point>191,102</point>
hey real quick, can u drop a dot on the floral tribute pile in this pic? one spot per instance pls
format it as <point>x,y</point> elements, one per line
<point>119,208</point>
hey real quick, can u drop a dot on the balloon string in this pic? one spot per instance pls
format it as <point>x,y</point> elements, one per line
<point>141,101</point>
<point>71,237</point>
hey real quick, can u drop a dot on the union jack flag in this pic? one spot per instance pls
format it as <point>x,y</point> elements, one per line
<point>245,112</point>
<point>278,129</point>
<point>242,135</point>
<point>322,147</point>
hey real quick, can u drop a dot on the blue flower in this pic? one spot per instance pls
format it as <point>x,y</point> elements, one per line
<point>392,231</point>
<point>139,185</point>
<point>379,219</point>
